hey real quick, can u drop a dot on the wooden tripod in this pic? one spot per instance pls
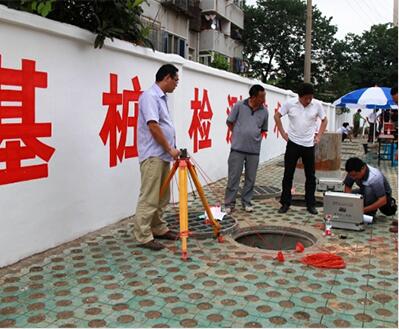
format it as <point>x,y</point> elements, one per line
<point>185,166</point>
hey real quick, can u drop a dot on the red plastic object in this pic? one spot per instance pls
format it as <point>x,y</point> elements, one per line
<point>299,247</point>
<point>184,256</point>
<point>280,256</point>
<point>220,239</point>
<point>324,260</point>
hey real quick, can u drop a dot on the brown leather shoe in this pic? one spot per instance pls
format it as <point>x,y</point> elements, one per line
<point>393,229</point>
<point>167,236</point>
<point>152,245</point>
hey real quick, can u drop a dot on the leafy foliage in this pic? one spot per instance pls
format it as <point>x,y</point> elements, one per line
<point>106,18</point>
<point>364,60</point>
<point>220,62</point>
<point>274,41</point>
<point>274,47</point>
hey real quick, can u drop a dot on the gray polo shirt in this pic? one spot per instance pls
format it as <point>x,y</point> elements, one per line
<point>374,180</point>
<point>248,126</point>
<point>153,106</point>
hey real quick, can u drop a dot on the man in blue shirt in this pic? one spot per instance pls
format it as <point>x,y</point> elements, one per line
<point>156,148</point>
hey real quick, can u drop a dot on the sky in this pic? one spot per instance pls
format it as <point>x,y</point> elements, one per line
<point>353,16</point>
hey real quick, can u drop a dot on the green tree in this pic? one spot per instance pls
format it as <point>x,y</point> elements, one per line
<point>106,18</point>
<point>376,57</point>
<point>365,60</point>
<point>274,42</point>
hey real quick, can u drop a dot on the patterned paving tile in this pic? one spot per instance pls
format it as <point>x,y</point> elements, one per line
<point>105,280</point>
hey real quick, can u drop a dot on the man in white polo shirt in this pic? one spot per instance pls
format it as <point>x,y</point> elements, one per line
<point>302,113</point>
<point>371,119</point>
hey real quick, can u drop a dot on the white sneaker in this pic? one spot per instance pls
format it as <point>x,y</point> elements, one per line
<point>248,208</point>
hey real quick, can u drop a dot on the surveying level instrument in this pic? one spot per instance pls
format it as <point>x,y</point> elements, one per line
<point>186,167</point>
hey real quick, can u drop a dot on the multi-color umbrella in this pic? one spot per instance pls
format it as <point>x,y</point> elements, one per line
<point>371,98</point>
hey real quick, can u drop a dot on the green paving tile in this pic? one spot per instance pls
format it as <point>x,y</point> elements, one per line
<point>381,324</point>
<point>35,319</point>
<point>156,322</point>
<point>301,317</point>
<point>68,323</point>
<point>341,320</point>
<point>180,312</point>
<point>382,312</point>
<point>93,311</point>
<point>110,271</point>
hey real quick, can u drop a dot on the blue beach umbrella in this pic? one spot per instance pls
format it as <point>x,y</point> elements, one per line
<point>371,98</point>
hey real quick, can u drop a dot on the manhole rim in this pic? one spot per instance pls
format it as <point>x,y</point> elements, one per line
<point>320,239</point>
<point>200,235</point>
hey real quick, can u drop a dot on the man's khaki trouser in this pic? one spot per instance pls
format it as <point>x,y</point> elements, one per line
<point>148,218</point>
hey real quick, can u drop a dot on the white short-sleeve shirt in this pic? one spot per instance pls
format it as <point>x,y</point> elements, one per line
<point>343,130</point>
<point>372,117</point>
<point>302,120</point>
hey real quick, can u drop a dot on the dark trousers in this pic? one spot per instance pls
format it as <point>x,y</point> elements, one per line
<point>371,133</point>
<point>292,153</point>
<point>356,128</point>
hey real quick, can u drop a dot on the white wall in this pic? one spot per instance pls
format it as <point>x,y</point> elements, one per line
<point>82,192</point>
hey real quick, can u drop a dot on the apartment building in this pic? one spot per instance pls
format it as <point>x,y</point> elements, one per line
<point>197,29</point>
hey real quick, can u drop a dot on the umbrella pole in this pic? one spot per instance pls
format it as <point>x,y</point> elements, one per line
<point>375,124</point>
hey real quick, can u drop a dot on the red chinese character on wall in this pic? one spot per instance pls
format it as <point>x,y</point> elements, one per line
<point>201,121</point>
<point>19,132</point>
<point>116,124</point>
<point>231,100</point>
<point>275,129</point>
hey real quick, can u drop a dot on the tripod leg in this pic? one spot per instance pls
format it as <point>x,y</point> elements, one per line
<point>166,183</point>
<point>215,224</point>
<point>183,205</point>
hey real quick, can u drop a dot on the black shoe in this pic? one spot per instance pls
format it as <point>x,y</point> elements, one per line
<point>152,245</point>
<point>284,208</point>
<point>169,235</point>
<point>312,210</point>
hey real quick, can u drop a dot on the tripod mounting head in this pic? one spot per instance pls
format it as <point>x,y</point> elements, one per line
<point>183,154</point>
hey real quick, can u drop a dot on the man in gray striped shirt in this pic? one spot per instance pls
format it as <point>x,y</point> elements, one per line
<point>247,120</point>
<point>373,185</point>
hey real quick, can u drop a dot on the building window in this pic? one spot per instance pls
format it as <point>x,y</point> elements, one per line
<point>239,3</point>
<point>205,58</point>
<point>235,32</point>
<point>173,44</point>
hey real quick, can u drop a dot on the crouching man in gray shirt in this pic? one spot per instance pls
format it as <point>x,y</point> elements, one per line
<point>373,186</point>
<point>247,120</point>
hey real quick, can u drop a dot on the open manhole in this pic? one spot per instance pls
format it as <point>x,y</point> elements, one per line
<point>264,192</point>
<point>197,225</point>
<point>298,200</point>
<point>274,237</point>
